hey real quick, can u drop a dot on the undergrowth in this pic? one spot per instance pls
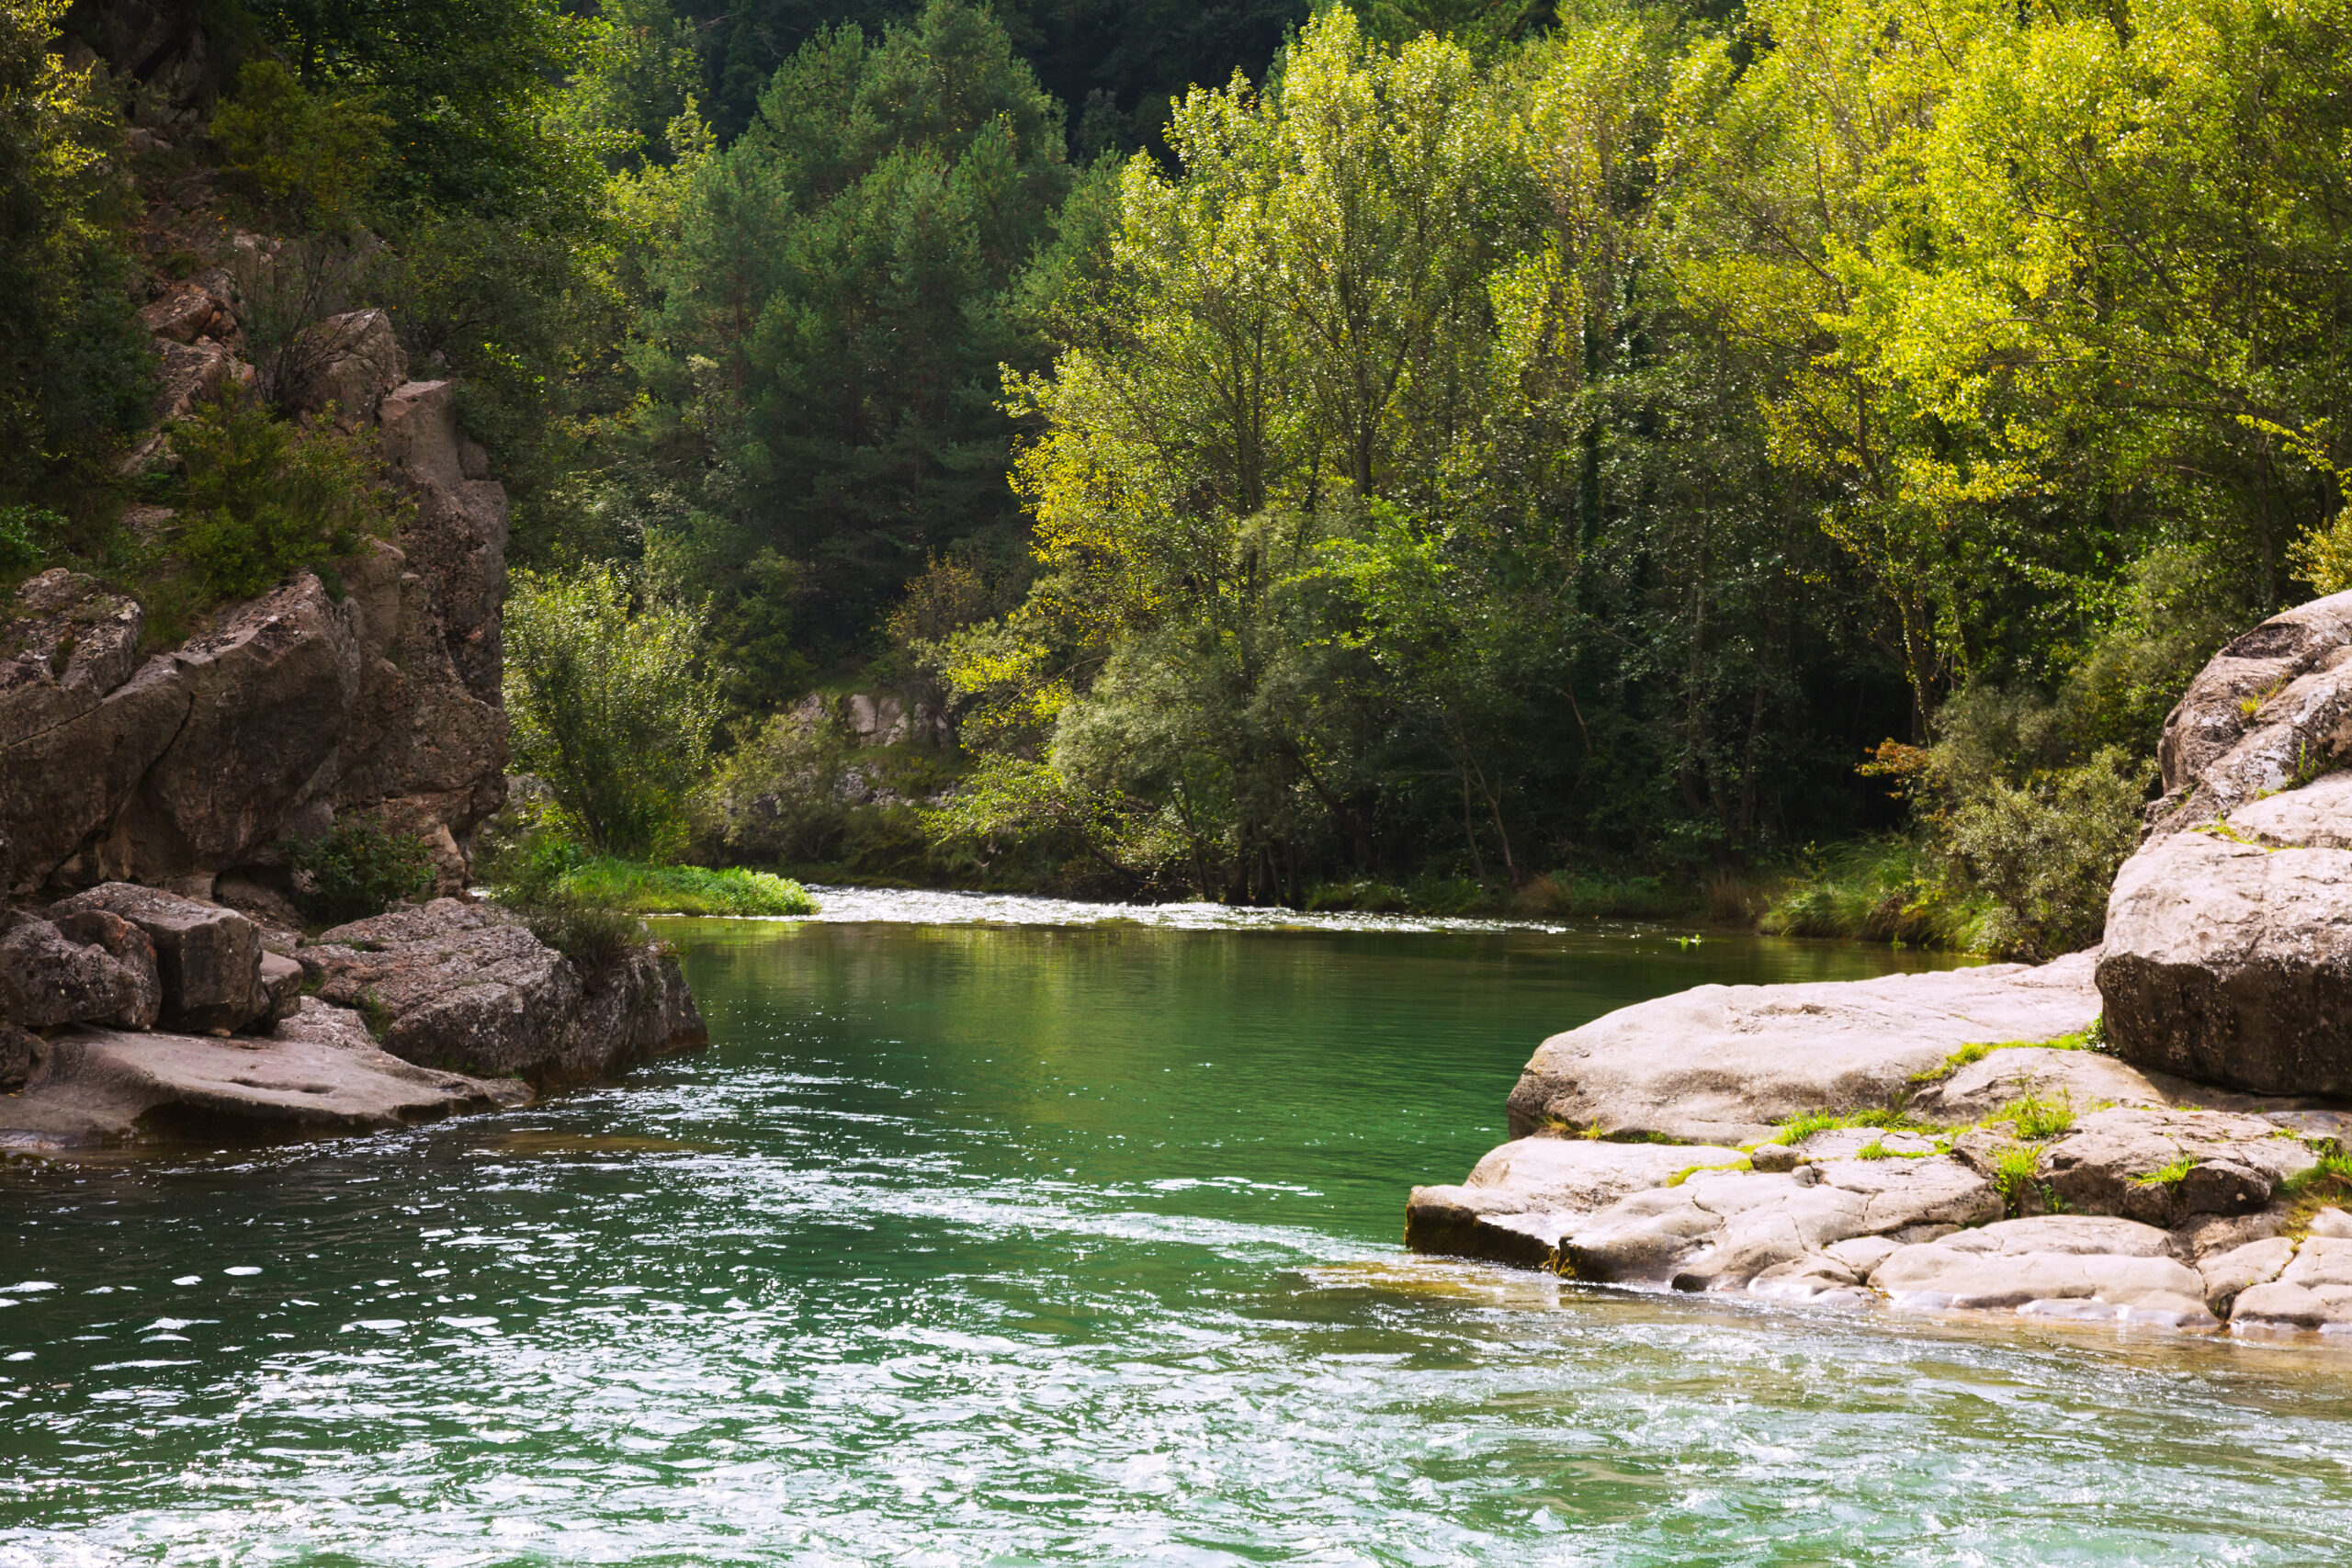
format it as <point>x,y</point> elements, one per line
<point>685,889</point>
<point>2326,1185</point>
<point>2035,1118</point>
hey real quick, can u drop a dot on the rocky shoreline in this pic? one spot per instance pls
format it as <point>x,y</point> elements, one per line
<point>153,982</point>
<point>2148,1133</point>
<point>129,1013</point>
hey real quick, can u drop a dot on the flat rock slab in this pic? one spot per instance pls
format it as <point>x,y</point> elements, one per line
<point>2108,1269</point>
<point>320,1073</point>
<point>2167,1166</point>
<point>1719,1230</point>
<point>2314,1291</point>
<point>1727,1064</point>
<point>1522,1198</point>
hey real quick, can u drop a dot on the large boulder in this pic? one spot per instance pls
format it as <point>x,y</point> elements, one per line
<point>466,986</point>
<point>209,957</point>
<point>2273,707</point>
<point>346,363</point>
<point>1726,1063</point>
<point>2228,951</point>
<point>320,1073</point>
<point>49,977</point>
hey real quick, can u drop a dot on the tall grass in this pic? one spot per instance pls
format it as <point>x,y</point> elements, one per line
<point>1884,889</point>
<point>684,889</point>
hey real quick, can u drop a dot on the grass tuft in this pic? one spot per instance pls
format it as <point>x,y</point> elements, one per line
<point>2093,1038</point>
<point>1688,1171</point>
<point>2015,1170</point>
<point>2326,1185</point>
<point>2034,1118</point>
<point>1805,1123</point>
<point>684,889</point>
<point>2167,1175</point>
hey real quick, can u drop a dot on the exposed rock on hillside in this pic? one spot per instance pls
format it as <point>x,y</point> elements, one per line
<point>296,707</point>
<point>1744,1058</point>
<point>2228,956</point>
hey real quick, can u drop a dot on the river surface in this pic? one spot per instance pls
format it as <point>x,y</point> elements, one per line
<point>1007,1243</point>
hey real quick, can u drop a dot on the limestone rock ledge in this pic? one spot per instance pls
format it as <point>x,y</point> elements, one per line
<point>418,1014</point>
<point>2135,1198</point>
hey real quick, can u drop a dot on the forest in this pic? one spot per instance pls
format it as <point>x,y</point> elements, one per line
<point>1773,462</point>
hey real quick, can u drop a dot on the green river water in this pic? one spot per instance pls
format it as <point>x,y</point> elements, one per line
<point>1055,1243</point>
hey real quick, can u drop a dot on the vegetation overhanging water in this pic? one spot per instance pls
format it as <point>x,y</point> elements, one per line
<point>1015,1242</point>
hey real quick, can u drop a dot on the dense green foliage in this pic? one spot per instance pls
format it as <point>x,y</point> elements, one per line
<point>1306,452</point>
<point>685,889</point>
<point>74,368</point>
<point>358,868</point>
<point>261,497</point>
<point>607,705</point>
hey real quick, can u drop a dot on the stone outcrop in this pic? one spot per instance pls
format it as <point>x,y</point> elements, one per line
<point>319,1074</point>
<point>2060,1184</point>
<point>1746,1057</point>
<point>209,958</point>
<point>2272,708</point>
<point>467,987</point>
<point>467,1003</point>
<point>2228,952</point>
<point>295,708</point>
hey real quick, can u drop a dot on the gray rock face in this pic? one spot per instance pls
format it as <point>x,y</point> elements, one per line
<point>1523,1197</point>
<point>1726,1063</point>
<point>321,1074</point>
<point>464,985</point>
<point>2270,707</point>
<point>2105,1268</point>
<point>209,958</point>
<point>2312,1291</point>
<point>2228,956</point>
<point>2233,963</point>
<point>348,363</point>
<point>48,977</point>
<point>291,709</point>
<point>1719,1230</point>
<point>2232,1164</point>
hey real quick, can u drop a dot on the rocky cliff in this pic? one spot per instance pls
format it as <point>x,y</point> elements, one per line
<point>187,765</point>
<point>2143,1133</point>
<point>150,981</point>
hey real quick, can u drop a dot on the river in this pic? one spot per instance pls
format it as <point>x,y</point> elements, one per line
<point>993,1232</point>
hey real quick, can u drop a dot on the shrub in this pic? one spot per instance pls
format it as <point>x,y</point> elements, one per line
<point>28,534</point>
<point>312,156</point>
<point>264,498</point>
<point>528,868</point>
<point>612,705</point>
<point>2046,851</point>
<point>76,368</point>
<point>359,868</point>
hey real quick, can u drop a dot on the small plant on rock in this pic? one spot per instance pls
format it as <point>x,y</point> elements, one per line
<point>2016,1171</point>
<point>2035,1118</point>
<point>358,868</point>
